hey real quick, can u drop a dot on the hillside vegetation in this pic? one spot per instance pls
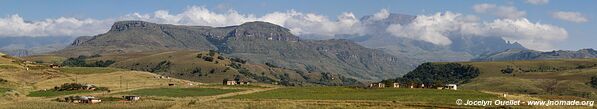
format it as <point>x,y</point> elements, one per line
<point>201,66</point>
<point>564,78</point>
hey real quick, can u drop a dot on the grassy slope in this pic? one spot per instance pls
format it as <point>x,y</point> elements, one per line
<point>562,77</point>
<point>119,80</point>
<point>88,70</point>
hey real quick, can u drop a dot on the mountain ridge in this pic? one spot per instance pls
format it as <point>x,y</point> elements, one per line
<point>258,42</point>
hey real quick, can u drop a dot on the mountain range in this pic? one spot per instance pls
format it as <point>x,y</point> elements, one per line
<point>257,42</point>
<point>375,55</point>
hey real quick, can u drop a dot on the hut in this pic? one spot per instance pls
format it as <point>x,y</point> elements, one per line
<point>230,82</point>
<point>451,86</point>
<point>54,66</point>
<point>396,85</point>
<point>131,98</point>
<point>377,85</point>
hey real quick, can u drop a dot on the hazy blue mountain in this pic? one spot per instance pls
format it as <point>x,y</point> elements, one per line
<point>517,54</point>
<point>25,46</point>
<point>463,47</point>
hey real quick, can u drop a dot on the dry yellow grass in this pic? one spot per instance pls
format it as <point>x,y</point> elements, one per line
<point>120,80</point>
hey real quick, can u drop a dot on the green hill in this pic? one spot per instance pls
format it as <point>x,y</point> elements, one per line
<point>562,78</point>
<point>204,66</point>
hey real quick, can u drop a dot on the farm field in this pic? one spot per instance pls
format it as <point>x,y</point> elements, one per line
<point>179,92</point>
<point>50,93</point>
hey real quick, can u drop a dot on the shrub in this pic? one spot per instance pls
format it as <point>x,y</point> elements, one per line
<point>271,65</point>
<point>208,58</point>
<point>238,60</point>
<point>81,62</point>
<point>593,82</point>
<point>507,70</point>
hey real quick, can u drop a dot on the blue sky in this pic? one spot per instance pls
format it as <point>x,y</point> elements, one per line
<point>580,34</point>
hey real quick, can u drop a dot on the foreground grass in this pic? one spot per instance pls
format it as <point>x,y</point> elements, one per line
<point>89,70</point>
<point>51,93</point>
<point>180,92</point>
<point>4,90</point>
<point>103,105</point>
<point>386,94</point>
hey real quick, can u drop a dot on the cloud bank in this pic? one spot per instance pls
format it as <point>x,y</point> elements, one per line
<point>434,28</point>
<point>576,17</point>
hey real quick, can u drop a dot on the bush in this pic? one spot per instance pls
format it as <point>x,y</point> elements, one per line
<point>3,80</point>
<point>238,60</point>
<point>507,70</point>
<point>271,65</point>
<point>208,58</point>
<point>81,62</point>
<point>78,86</point>
<point>593,82</point>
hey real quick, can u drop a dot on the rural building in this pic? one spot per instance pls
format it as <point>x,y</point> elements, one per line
<point>244,83</point>
<point>54,66</point>
<point>230,82</point>
<point>377,85</point>
<point>131,98</point>
<point>451,86</point>
<point>396,85</point>
<point>82,99</point>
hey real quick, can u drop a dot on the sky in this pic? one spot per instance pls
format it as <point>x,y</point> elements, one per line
<point>537,24</point>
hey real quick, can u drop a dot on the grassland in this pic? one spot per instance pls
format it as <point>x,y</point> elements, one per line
<point>546,79</point>
<point>42,93</point>
<point>3,90</point>
<point>179,92</point>
<point>89,70</point>
<point>386,94</point>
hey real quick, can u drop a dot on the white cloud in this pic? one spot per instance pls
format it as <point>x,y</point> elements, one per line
<point>436,28</point>
<point>537,2</point>
<point>482,8</point>
<point>576,17</point>
<point>299,23</point>
<point>15,25</point>
<point>382,14</point>
<point>509,12</point>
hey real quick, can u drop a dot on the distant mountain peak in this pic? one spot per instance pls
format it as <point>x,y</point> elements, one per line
<point>265,30</point>
<point>124,25</point>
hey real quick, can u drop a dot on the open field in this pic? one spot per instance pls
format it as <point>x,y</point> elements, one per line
<point>42,93</point>
<point>179,92</point>
<point>433,96</point>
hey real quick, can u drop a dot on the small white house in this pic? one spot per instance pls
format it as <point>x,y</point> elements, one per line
<point>396,85</point>
<point>377,85</point>
<point>451,86</point>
